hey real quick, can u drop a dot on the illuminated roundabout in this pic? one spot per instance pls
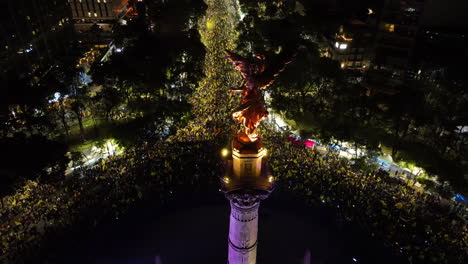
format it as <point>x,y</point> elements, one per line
<point>193,228</point>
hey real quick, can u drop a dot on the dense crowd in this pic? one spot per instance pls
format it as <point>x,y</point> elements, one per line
<point>37,215</point>
<point>414,223</point>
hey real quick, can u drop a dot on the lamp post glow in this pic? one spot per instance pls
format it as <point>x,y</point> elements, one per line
<point>225,152</point>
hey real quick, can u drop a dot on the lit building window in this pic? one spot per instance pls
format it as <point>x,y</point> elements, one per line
<point>89,14</point>
<point>99,1</point>
<point>343,46</point>
<point>389,27</point>
<point>95,14</point>
<point>337,45</point>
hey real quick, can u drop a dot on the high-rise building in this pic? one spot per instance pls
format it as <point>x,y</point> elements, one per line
<point>102,12</point>
<point>352,45</point>
<point>396,39</point>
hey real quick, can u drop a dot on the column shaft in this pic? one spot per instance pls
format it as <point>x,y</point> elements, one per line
<point>243,229</point>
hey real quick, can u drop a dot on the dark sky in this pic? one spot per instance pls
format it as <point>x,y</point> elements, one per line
<point>446,13</point>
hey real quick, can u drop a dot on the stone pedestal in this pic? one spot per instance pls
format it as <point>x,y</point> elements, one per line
<point>247,168</point>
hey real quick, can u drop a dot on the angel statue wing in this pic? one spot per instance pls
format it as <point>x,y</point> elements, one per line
<point>268,76</point>
<point>240,63</point>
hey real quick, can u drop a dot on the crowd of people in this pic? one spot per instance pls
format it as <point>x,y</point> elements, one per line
<point>414,223</point>
<point>38,215</point>
<point>411,222</point>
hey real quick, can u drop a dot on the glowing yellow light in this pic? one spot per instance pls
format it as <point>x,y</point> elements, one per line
<point>225,152</point>
<point>226,180</point>
<point>389,27</point>
<point>343,37</point>
<point>343,65</point>
<point>271,179</point>
<point>210,24</point>
<point>370,11</point>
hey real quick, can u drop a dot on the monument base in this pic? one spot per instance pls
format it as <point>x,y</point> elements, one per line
<point>247,181</point>
<point>247,169</point>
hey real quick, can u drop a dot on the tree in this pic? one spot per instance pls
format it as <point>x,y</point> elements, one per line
<point>365,164</point>
<point>78,102</point>
<point>27,102</point>
<point>109,98</point>
<point>60,107</point>
<point>404,110</point>
<point>78,107</point>
<point>7,183</point>
<point>45,158</point>
<point>310,75</point>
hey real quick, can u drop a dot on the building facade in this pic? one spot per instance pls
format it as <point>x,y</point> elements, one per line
<point>399,25</point>
<point>352,45</point>
<point>96,9</point>
<point>104,13</point>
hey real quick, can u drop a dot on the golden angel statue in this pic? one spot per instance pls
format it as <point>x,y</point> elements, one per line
<point>256,77</point>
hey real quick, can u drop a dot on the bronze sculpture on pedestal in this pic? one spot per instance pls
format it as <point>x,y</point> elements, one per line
<point>247,179</point>
<point>256,77</point>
